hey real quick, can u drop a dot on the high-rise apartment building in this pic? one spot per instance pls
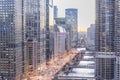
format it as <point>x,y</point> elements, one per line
<point>104,39</point>
<point>71,16</point>
<point>117,39</point>
<point>11,40</point>
<point>108,32</point>
<point>117,26</point>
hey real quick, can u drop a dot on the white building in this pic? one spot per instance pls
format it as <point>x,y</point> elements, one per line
<point>59,41</point>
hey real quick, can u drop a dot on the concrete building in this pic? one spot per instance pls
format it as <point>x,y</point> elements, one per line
<point>71,16</point>
<point>104,38</point>
<point>105,65</point>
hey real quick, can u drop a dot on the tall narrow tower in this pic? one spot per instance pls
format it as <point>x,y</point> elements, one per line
<point>35,33</point>
<point>104,38</point>
<point>55,12</point>
<point>71,16</point>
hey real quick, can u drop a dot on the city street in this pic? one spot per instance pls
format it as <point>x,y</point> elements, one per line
<point>55,65</point>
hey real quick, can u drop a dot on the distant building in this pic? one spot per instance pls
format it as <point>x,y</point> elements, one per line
<point>62,36</point>
<point>91,36</point>
<point>55,12</point>
<point>105,65</point>
<point>61,21</point>
<point>59,41</point>
<point>71,16</point>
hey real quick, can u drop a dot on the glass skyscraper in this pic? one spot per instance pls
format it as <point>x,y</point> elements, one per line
<point>117,26</point>
<point>11,39</point>
<point>21,21</point>
<point>35,22</point>
<point>104,38</point>
<point>71,16</point>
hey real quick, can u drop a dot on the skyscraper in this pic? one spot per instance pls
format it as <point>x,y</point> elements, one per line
<point>91,36</point>
<point>21,22</point>
<point>117,39</point>
<point>35,30</point>
<point>49,23</point>
<point>104,38</point>
<point>91,33</point>
<point>59,40</point>
<point>71,16</point>
<point>105,66</point>
<point>61,21</point>
<point>55,12</point>
<point>117,26</point>
<point>11,39</point>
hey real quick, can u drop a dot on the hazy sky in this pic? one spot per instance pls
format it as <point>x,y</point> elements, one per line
<point>86,10</point>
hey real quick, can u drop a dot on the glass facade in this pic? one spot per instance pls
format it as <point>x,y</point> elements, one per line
<point>117,26</point>
<point>10,39</point>
<point>49,23</point>
<point>35,26</point>
<point>71,16</point>
<point>105,25</point>
<point>20,20</point>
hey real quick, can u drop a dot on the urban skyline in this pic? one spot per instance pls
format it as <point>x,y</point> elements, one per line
<point>86,11</point>
<point>39,42</point>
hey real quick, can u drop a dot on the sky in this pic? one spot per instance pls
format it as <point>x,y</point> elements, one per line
<point>86,11</point>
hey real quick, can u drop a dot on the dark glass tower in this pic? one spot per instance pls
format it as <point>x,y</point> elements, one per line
<point>71,16</point>
<point>49,23</point>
